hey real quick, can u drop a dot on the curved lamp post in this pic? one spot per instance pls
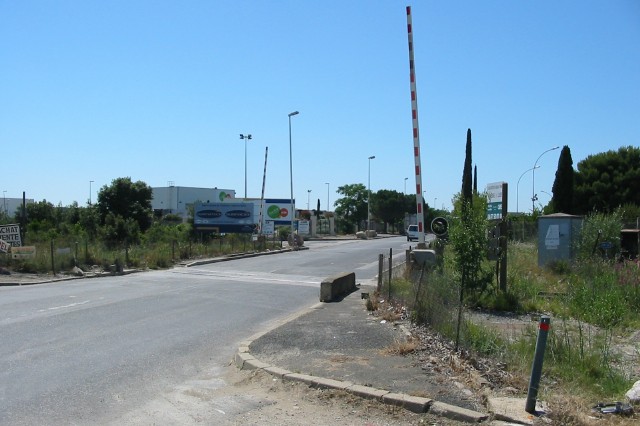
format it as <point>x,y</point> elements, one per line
<point>369,196</point>
<point>533,178</point>
<point>517,189</point>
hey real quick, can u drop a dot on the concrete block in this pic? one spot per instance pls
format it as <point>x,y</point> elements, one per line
<point>425,257</point>
<point>415,404</point>
<point>254,364</point>
<point>511,409</point>
<point>367,392</point>
<point>241,358</point>
<point>243,349</point>
<point>336,286</point>
<point>323,383</point>
<point>277,371</point>
<point>457,413</point>
<point>297,377</point>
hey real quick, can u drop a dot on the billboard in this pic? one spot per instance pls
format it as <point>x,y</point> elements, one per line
<point>278,210</point>
<point>224,217</point>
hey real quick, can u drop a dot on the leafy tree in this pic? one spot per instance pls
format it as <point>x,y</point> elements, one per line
<point>127,200</point>
<point>352,208</point>
<point>608,180</point>
<point>562,200</point>
<point>391,206</point>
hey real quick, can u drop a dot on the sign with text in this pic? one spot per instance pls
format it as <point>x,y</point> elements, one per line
<point>494,200</point>
<point>26,252</point>
<point>4,247</point>
<point>10,234</point>
<point>224,217</point>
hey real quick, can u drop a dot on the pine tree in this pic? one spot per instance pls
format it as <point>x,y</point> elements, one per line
<point>562,200</point>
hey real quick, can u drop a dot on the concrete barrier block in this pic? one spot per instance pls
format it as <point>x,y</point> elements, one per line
<point>425,257</point>
<point>336,286</point>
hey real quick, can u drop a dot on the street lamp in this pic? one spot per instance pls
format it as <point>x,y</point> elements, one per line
<point>4,201</point>
<point>405,185</point>
<point>327,183</point>
<point>369,197</point>
<point>245,138</point>
<point>435,200</point>
<point>517,189</point>
<point>90,182</point>
<point>308,196</point>
<point>292,212</point>
<point>534,198</point>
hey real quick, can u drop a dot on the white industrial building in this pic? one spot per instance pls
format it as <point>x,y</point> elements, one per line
<point>176,199</point>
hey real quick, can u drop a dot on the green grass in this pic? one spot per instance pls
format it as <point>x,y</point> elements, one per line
<point>589,302</point>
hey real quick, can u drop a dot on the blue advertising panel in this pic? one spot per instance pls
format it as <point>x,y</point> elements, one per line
<point>224,217</point>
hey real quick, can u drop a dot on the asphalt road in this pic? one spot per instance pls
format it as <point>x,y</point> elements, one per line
<point>93,350</point>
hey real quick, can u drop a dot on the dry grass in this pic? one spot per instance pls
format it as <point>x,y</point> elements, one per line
<point>401,347</point>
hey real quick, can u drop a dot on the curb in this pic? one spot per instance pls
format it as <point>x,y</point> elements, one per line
<point>245,361</point>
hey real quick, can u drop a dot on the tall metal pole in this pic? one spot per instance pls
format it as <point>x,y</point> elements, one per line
<point>308,197</point>
<point>533,179</point>
<point>90,182</point>
<point>327,183</point>
<point>292,212</point>
<point>405,185</point>
<point>245,137</point>
<point>369,196</point>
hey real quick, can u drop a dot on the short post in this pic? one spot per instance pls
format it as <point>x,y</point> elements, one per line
<point>390,270</point>
<point>380,270</point>
<point>536,369</point>
<point>53,263</point>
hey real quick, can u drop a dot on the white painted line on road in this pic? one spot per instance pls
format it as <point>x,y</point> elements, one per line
<point>64,306</point>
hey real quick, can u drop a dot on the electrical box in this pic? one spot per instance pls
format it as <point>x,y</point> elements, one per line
<point>558,235</point>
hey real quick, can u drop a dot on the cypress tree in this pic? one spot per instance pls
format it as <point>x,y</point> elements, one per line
<point>562,199</point>
<point>467,184</point>
<point>475,179</point>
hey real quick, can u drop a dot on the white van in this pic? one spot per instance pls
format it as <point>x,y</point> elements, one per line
<point>412,232</point>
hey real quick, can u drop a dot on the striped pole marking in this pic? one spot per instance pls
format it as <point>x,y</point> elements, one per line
<point>416,132</point>
<point>264,179</point>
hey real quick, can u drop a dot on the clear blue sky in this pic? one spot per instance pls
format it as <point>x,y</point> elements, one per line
<point>160,91</point>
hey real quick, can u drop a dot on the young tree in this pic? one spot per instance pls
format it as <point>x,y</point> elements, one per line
<point>130,201</point>
<point>562,200</point>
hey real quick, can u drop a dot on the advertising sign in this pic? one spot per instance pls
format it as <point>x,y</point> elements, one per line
<point>10,234</point>
<point>224,217</point>
<point>4,247</point>
<point>278,210</point>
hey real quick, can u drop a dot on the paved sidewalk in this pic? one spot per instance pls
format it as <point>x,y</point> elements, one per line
<point>340,345</point>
